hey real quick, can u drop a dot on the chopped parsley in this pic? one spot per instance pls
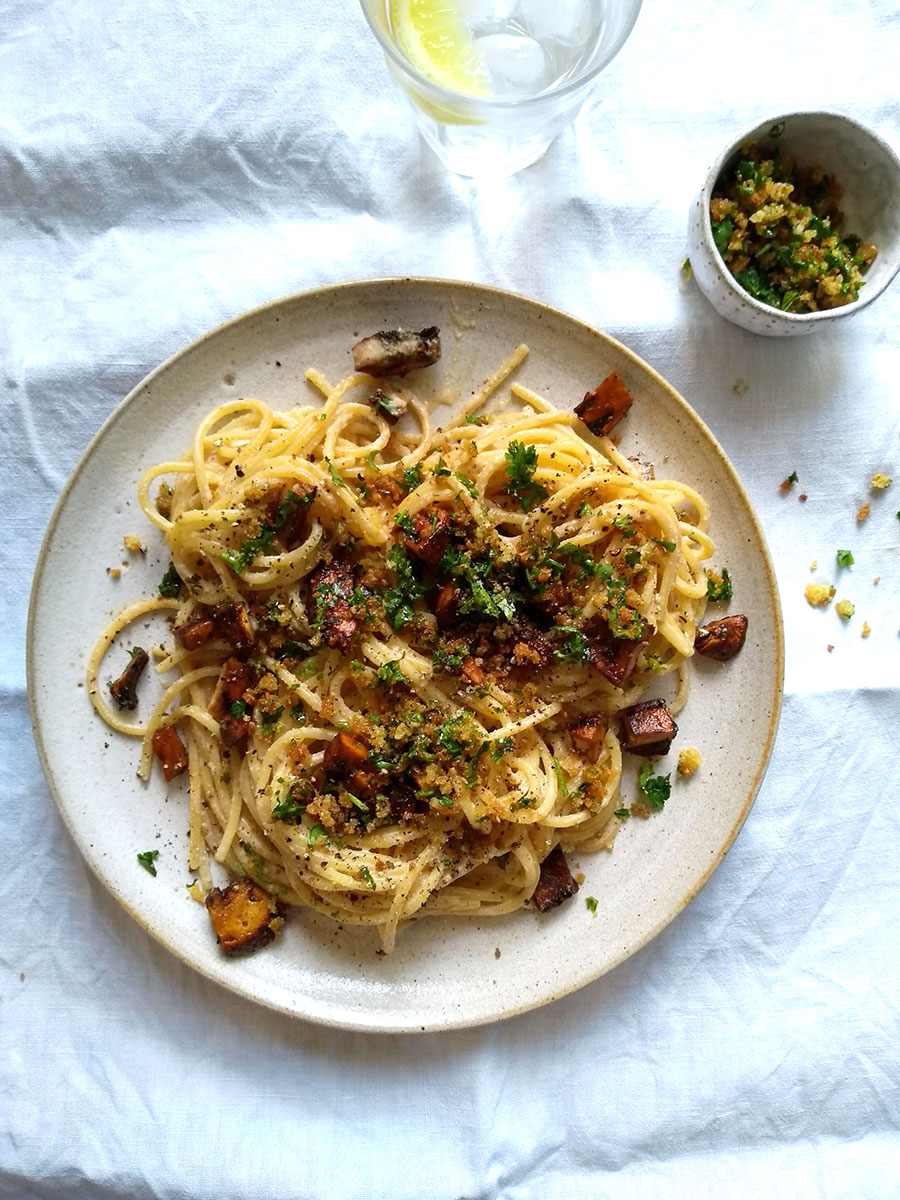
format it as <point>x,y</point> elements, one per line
<point>268,721</point>
<point>335,477</point>
<point>170,584</point>
<point>467,483</point>
<point>289,809</point>
<point>501,747</point>
<point>390,673</point>
<point>632,556</point>
<point>622,813</point>
<point>576,648</point>
<point>844,558</point>
<point>238,708</point>
<point>656,788</point>
<point>590,904</point>
<point>667,546</point>
<point>445,661</point>
<point>719,588</point>
<point>521,464</point>
<point>447,739</point>
<point>625,525</point>
<point>398,600</point>
<point>147,859</point>
<point>371,463</point>
<point>314,834</point>
<point>470,420</point>
<point>366,875</point>
<point>560,778</point>
<point>406,523</point>
<point>412,477</point>
<point>625,622</point>
<point>239,560</point>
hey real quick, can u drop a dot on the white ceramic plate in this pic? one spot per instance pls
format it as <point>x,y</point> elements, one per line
<point>445,972</point>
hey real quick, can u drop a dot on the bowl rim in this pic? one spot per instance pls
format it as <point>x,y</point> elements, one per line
<point>827,314</point>
<point>438,94</point>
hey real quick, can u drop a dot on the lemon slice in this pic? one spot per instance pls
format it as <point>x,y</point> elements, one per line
<point>432,35</point>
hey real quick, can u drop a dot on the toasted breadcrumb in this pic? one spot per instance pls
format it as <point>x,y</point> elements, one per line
<point>862,512</point>
<point>865,629</point>
<point>640,809</point>
<point>688,761</point>
<point>818,594</point>
<point>879,482</point>
<point>876,579</point>
<point>740,387</point>
<point>829,648</point>
<point>814,564</point>
<point>113,572</point>
<point>844,609</point>
<point>133,543</point>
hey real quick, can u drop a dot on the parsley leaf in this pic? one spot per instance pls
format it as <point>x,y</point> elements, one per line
<point>501,747</point>
<point>398,600</point>
<point>521,464</point>
<point>268,720</point>
<point>656,788</point>
<point>170,584</point>
<point>625,525</point>
<point>844,558</point>
<point>445,661</point>
<point>667,546</point>
<point>147,859</point>
<point>314,834</point>
<point>406,523</point>
<point>560,778</point>
<point>335,478</point>
<point>239,560</point>
<point>238,708</point>
<point>366,875</point>
<point>591,905</point>
<point>632,556</point>
<point>289,809</point>
<point>371,463</point>
<point>576,648</point>
<point>622,813</point>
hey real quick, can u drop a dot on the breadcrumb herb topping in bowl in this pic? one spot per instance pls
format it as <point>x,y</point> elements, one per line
<point>777,227</point>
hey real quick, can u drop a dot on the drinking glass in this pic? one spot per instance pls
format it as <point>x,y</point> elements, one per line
<point>539,59</point>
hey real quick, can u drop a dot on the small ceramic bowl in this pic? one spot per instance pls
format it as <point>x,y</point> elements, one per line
<point>868,172</point>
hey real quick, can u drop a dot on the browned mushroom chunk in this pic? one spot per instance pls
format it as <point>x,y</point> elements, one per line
<point>722,639</point>
<point>432,534</point>
<point>243,916</point>
<point>235,732</point>
<point>195,633</point>
<point>648,728</point>
<point>446,607</point>
<point>587,736</point>
<point>603,408</point>
<point>330,589</point>
<point>397,351</point>
<point>124,689</point>
<point>233,681</point>
<point>404,802</point>
<point>529,647</point>
<point>169,749</point>
<point>233,623</point>
<point>391,407</point>
<point>345,754</point>
<point>553,600</point>
<point>615,658</point>
<point>555,884</point>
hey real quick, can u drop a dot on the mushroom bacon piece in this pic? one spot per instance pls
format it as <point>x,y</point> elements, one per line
<point>169,749</point>
<point>233,681</point>
<point>235,732</point>
<point>446,606</point>
<point>195,633</point>
<point>722,639</point>
<point>603,408</point>
<point>233,623</point>
<point>432,534</point>
<point>397,352</point>
<point>648,728</point>
<point>529,647</point>
<point>124,689</point>
<point>330,589</point>
<point>345,754</point>
<point>243,916</point>
<point>553,600</point>
<point>555,883</point>
<point>403,800</point>
<point>587,736</point>
<point>472,672</point>
<point>615,658</point>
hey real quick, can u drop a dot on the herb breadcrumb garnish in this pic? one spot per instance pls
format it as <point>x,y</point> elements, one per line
<point>844,609</point>
<point>719,587</point>
<point>688,761</point>
<point>787,483</point>
<point>818,595</point>
<point>880,482</point>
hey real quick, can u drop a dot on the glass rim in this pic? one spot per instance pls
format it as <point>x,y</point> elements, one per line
<point>442,94</point>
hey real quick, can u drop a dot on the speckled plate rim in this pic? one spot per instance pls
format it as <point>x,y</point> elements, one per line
<point>576,980</point>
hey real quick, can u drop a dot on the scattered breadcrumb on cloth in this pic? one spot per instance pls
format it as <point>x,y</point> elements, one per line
<point>862,512</point>
<point>844,609</point>
<point>880,482</point>
<point>865,630</point>
<point>818,594</point>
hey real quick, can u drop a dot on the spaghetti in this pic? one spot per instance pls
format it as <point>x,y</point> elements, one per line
<point>399,651</point>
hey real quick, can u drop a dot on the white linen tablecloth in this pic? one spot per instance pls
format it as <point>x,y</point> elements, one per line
<point>166,165</point>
